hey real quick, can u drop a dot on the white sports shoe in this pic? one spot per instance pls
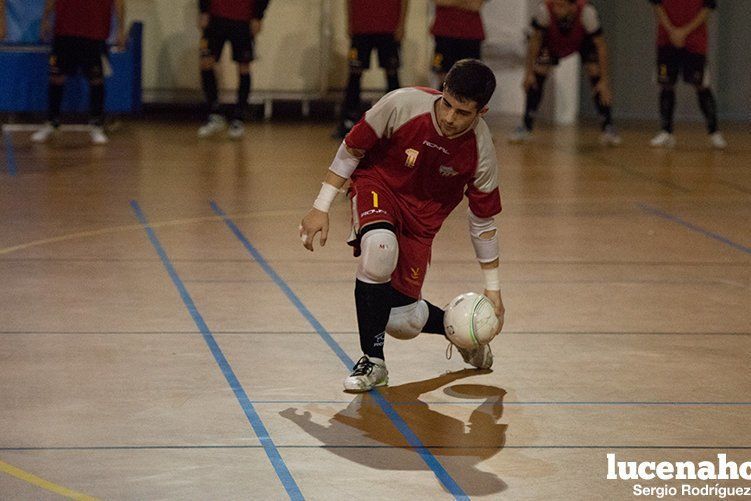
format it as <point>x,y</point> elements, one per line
<point>236,129</point>
<point>717,141</point>
<point>520,135</point>
<point>216,123</point>
<point>366,375</point>
<point>663,139</point>
<point>610,136</point>
<point>44,133</point>
<point>479,358</point>
<point>98,136</point>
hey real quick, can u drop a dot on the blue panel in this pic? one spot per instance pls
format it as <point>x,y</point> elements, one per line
<point>24,79</point>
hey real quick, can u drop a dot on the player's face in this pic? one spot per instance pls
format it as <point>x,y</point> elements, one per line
<point>563,8</point>
<point>454,115</point>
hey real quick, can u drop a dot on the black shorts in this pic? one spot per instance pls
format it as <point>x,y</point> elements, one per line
<point>69,54</point>
<point>221,30</point>
<point>587,52</point>
<point>363,45</point>
<point>450,50</point>
<point>672,60</point>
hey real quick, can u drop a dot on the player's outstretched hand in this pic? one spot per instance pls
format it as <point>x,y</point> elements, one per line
<point>500,310</point>
<point>314,221</point>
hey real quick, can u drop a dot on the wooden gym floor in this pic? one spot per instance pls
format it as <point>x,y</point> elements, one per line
<point>164,335</point>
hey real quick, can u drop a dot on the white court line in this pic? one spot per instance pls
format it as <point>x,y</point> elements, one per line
<point>35,127</point>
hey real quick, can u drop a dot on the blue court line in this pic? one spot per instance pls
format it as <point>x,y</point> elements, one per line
<point>323,446</point>
<point>255,421</point>
<point>440,472</point>
<point>483,402</point>
<point>10,157</point>
<point>716,236</point>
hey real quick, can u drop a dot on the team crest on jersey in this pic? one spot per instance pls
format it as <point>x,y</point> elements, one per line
<point>411,157</point>
<point>415,273</point>
<point>447,171</point>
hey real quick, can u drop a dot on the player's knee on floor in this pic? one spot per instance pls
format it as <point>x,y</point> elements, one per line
<point>406,322</point>
<point>380,253</point>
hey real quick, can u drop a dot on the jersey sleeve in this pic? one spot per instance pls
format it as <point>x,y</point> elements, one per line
<point>482,192</point>
<point>375,125</point>
<point>591,20</point>
<point>541,17</point>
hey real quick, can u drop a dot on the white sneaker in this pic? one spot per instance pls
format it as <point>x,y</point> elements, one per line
<point>610,136</point>
<point>216,123</point>
<point>479,358</point>
<point>236,129</point>
<point>44,134</point>
<point>663,139</point>
<point>717,141</point>
<point>520,135</point>
<point>98,136</point>
<point>366,375</point>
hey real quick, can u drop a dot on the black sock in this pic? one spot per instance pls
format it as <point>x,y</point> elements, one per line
<point>534,97</point>
<point>373,304</point>
<point>243,92</point>
<point>96,103</point>
<point>434,324</point>
<point>55,102</point>
<point>351,108</point>
<point>392,80</point>
<point>667,107</point>
<point>604,110</point>
<point>210,90</point>
<point>708,107</point>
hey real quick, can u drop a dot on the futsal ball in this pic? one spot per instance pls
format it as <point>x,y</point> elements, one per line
<point>470,320</point>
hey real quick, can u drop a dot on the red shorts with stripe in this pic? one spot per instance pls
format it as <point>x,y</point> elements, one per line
<point>373,203</point>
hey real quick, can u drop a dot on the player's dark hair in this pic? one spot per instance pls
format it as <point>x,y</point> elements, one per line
<point>470,80</point>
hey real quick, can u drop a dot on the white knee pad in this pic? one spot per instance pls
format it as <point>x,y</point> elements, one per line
<point>380,252</point>
<point>406,322</point>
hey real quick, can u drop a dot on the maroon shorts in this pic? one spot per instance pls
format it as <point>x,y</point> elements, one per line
<point>372,203</point>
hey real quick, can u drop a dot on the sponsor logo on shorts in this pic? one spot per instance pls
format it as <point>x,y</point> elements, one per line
<point>447,171</point>
<point>415,273</point>
<point>411,157</point>
<point>371,212</point>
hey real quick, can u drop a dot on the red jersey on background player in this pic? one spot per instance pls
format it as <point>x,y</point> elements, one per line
<point>682,48</point>
<point>561,28</point>
<point>458,32</point>
<point>80,42</point>
<point>411,160</point>
<point>237,22</point>
<point>2,20</point>
<point>372,25</point>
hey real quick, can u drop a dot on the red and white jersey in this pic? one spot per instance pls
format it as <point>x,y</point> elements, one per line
<point>680,13</point>
<point>453,22</point>
<point>563,41</point>
<point>374,16</point>
<point>428,172</point>
<point>83,18</point>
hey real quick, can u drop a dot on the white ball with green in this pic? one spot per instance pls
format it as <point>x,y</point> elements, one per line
<point>470,320</point>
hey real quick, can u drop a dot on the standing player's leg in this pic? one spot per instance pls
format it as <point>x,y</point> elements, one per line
<point>533,95</point>
<point>668,63</point>
<point>358,61</point>
<point>242,53</point>
<point>60,64</point>
<point>212,41</point>
<point>694,74</point>
<point>94,54</point>
<point>591,61</point>
<point>388,58</point>
<point>443,59</point>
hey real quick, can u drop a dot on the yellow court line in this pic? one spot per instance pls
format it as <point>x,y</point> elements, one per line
<point>44,484</point>
<point>133,227</point>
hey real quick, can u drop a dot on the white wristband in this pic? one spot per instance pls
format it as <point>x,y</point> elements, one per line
<point>325,197</point>
<point>492,279</point>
